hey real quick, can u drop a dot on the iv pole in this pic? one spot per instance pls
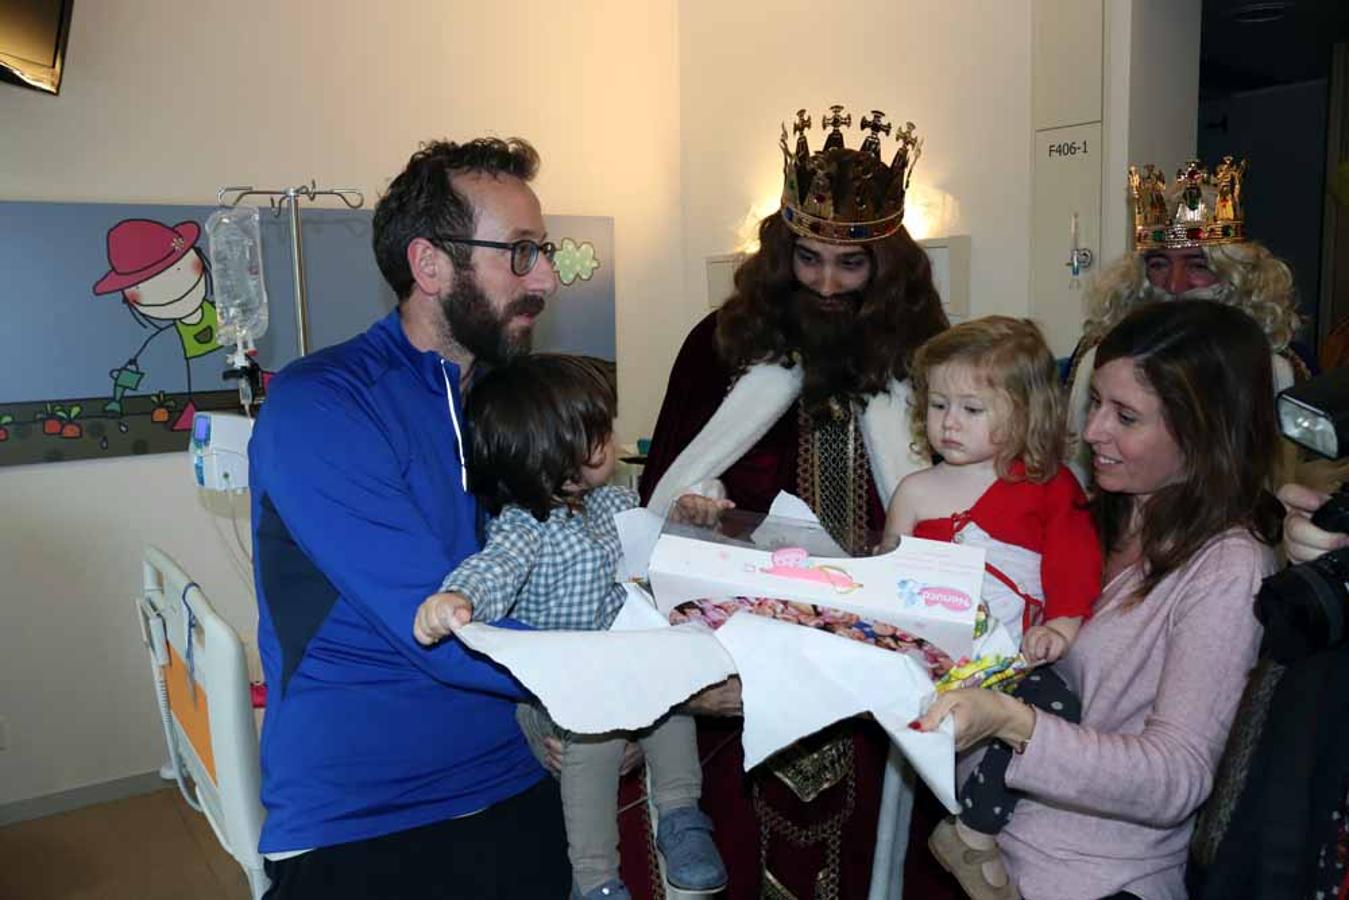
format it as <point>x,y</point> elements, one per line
<point>278,200</point>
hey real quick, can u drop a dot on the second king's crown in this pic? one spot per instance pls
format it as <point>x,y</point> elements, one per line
<point>1199,208</point>
<point>846,196</point>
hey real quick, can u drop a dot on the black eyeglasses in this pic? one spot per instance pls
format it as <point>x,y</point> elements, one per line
<point>524,252</point>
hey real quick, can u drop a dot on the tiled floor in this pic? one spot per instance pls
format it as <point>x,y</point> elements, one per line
<point>150,847</point>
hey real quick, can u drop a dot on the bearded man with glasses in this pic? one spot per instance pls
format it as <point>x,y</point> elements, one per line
<point>390,769</point>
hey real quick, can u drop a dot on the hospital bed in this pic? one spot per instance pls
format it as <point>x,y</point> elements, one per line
<point>202,687</point>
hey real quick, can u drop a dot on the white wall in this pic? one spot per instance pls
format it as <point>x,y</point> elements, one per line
<point>164,101</point>
<point>1151,101</point>
<point>959,69</point>
<point>1164,81</point>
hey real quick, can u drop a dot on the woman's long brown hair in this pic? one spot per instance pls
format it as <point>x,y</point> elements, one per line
<point>1209,364</point>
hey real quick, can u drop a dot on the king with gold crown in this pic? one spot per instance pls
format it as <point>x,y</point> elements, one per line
<point>797,383</point>
<point>1189,241</point>
<point>846,196</point>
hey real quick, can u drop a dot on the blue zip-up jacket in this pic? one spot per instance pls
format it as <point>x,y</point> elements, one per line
<point>359,510</point>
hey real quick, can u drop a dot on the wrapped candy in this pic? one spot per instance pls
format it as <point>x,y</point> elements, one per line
<point>993,671</point>
<point>714,613</point>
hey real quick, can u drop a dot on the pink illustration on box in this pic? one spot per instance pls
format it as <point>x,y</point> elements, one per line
<point>915,594</point>
<point>794,563</point>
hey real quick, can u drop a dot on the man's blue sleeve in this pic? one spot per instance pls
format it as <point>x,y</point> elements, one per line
<point>335,479</point>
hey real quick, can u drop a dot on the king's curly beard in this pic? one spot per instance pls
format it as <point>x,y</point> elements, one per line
<point>1220,291</point>
<point>475,325</point>
<point>825,332</point>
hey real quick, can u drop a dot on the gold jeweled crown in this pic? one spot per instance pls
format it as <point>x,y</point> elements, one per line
<point>1199,208</point>
<point>846,196</point>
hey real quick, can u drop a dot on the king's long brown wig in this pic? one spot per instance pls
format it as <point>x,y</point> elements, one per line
<point>899,310</point>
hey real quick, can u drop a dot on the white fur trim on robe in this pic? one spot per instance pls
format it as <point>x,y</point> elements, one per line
<point>755,403</point>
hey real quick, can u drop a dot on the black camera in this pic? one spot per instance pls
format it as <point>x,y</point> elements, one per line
<point>1304,608</point>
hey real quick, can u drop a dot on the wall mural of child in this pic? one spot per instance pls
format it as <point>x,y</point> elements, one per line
<point>114,317</point>
<point>165,283</point>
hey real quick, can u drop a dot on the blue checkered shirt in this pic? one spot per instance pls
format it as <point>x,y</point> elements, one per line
<point>556,575</point>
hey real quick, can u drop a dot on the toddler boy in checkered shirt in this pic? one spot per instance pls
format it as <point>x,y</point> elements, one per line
<point>541,455</point>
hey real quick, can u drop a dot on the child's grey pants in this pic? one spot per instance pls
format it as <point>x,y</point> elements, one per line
<point>589,782</point>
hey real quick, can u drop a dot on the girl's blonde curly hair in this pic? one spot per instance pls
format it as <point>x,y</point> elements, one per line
<point>1011,357</point>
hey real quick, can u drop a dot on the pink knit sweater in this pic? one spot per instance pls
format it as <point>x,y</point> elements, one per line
<point>1111,802</point>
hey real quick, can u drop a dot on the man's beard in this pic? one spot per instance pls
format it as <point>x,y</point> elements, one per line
<point>476,326</point>
<point>1219,290</point>
<point>826,334</point>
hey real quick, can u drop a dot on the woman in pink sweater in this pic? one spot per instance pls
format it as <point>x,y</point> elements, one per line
<point>1183,437</point>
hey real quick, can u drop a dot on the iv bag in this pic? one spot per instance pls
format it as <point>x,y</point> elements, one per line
<point>235,242</point>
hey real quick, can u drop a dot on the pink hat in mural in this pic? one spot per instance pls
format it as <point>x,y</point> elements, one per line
<point>139,249</point>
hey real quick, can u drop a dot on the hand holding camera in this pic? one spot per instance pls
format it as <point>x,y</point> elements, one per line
<point>1302,540</point>
<point>1304,608</point>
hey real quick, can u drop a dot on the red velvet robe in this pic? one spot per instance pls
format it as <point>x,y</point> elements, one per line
<point>698,383</point>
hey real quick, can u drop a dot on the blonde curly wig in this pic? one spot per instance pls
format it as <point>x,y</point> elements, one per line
<point>1249,277</point>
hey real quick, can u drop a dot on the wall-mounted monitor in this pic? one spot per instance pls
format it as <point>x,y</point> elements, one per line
<point>33,42</point>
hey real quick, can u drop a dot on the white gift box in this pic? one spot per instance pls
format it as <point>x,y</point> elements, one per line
<point>795,679</point>
<point>927,588</point>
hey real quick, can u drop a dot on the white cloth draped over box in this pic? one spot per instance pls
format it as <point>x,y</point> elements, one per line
<point>796,680</point>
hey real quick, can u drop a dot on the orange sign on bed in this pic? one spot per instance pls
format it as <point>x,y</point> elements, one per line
<point>188,703</point>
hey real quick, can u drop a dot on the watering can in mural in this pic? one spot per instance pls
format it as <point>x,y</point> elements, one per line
<point>127,378</point>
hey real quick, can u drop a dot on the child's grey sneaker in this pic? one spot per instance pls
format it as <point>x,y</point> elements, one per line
<point>692,863</point>
<point>612,889</point>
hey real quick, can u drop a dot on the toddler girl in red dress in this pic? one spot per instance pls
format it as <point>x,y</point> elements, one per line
<point>987,401</point>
